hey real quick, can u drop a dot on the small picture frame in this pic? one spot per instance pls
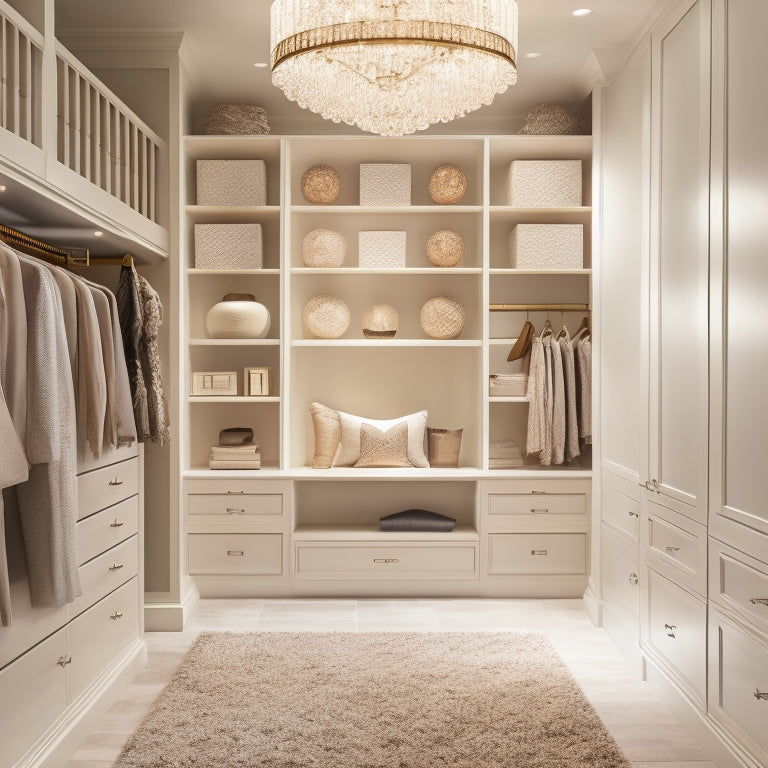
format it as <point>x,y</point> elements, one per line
<point>214,383</point>
<point>256,382</point>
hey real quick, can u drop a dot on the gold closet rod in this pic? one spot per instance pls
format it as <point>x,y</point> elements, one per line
<point>56,255</point>
<point>540,307</point>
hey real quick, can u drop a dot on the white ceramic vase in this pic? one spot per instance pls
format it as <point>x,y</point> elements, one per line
<point>238,316</point>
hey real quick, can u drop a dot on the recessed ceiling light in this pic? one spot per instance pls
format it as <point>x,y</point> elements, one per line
<point>582,12</point>
<point>98,233</point>
<point>532,55</point>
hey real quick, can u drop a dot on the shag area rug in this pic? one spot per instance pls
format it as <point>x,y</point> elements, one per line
<point>372,700</point>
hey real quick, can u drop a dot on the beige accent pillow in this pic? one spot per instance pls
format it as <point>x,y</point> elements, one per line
<point>383,449</point>
<point>325,422</point>
<point>349,449</point>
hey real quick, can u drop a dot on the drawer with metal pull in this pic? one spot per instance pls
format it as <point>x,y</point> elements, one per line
<point>258,554</point>
<point>106,486</point>
<point>358,560</point>
<point>105,529</point>
<point>537,553</point>
<point>677,633</point>
<point>105,573</point>
<point>537,505</point>
<point>237,507</point>
<point>621,511</point>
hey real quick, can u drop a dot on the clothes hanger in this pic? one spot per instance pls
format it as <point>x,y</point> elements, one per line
<point>583,331</point>
<point>546,330</point>
<point>522,345</point>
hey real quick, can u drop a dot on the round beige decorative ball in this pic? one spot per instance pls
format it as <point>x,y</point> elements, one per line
<point>326,316</point>
<point>324,248</point>
<point>442,317</point>
<point>380,321</point>
<point>448,184</point>
<point>320,184</point>
<point>445,248</point>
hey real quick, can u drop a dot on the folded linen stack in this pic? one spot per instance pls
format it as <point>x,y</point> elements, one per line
<point>247,456</point>
<point>508,384</point>
<point>505,455</point>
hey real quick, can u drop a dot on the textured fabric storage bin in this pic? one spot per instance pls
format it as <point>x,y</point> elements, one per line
<point>544,183</point>
<point>385,184</point>
<point>547,246</point>
<point>228,246</point>
<point>382,250</point>
<point>231,182</point>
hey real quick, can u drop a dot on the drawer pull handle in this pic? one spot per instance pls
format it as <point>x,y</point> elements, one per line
<point>670,629</point>
<point>235,511</point>
<point>115,482</point>
<point>650,485</point>
<point>759,600</point>
<point>760,695</point>
<point>116,615</point>
<point>236,493</point>
<point>116,524</point>
<point>115,566</point>
<point>539,552</point>
<point>671,550</point>
<point>633,579</point>
<point>632,513</point>
<point>539,511</point>
<point>385,560</point>
<point>539,493</point>
<point>62,661</point>
<point>235,552</point>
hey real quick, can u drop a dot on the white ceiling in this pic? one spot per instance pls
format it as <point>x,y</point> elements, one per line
<point>227,37</point>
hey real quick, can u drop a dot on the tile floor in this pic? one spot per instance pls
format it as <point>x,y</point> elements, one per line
<point>645,728</point>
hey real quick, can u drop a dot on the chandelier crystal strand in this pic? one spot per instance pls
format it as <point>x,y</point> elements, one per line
<point>393,67</point>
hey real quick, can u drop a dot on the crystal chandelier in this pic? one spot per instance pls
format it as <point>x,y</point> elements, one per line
<point>393,67</point>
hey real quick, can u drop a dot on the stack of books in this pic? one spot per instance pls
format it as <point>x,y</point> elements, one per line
<point>504,455</point>
<point>247,456</point>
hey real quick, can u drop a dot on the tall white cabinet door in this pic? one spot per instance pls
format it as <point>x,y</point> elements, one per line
<point>740,343</point>
<point>679,262</point>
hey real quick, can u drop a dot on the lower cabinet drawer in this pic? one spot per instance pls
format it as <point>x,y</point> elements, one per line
<point>105,486</point>
<point>245,506</point>
<point>537,553</point>
<point>739,689</point>
<point>105,573</point>
<point>543,505</point>
<point>620,580</point>
<point>677,632</point>
<point>99,532</point>
<point>621,511</point>
<point>98,636</point>
<point>366,561</point>
<point>33,694</point>
<point>258,554</point>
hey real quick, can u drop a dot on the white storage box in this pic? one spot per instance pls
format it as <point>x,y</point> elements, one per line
<point>385,184</point>
<point>547,246</point>
<point>544,183</point>
<point>382,250</point>
<point>231,182</point>
<point>228,246</point>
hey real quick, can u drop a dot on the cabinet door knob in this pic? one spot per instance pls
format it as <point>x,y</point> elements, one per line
<point>632,513</point>
<point>671,550</point>
<point>386,560</point>
<point>633,579</point>
<point>760,695</point>
<point>115,566</point>
<point>539,552</point>
<point>539,510</point>
<point>116,481</point>
<point>116,615</point>
<point>235,552</point>
<point>670,629</point>
<point>758,600</point>
<point>62,661</point>
<point>116,524</point>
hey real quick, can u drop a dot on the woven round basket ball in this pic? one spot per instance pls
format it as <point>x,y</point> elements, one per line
<point>448,184</point>
<point>442,317</point>
<point>324,248</point>
<point>320,184</point>
<point>326,316</point>
<point>445,248</point>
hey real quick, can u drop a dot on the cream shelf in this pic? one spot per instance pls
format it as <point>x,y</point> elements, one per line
<point>338,532</point>
<point>232,399</point>
<point>373,343</point>
<point>234,342</point>
<point>230,214</point>
<point>255,272</point>
<point>408,271</point>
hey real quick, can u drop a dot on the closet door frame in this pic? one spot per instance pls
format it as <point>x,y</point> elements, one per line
<point>691,502</point>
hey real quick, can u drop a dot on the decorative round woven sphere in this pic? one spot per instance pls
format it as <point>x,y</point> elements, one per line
<point>442,317</point>
<point>324,248</point>
<point>320,184</point>
<point>445,248</point>
<point>326,316</point>
<point>380,321</point>
<point>447,184</point>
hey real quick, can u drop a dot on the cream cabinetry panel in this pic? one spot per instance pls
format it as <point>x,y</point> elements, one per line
<point>105,529</point>
<point>247,506</point>
<point>620,510</point>
<point>621,580</point>
<point>537,553</point>
<point>106,486</point>
<point>235,553</point>
<point>551,506</point>
<point>677,634</point>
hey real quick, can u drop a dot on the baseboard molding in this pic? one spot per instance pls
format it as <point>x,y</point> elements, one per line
<point>78,720</point>
<point>593,607</point>
<point>171,617</point>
